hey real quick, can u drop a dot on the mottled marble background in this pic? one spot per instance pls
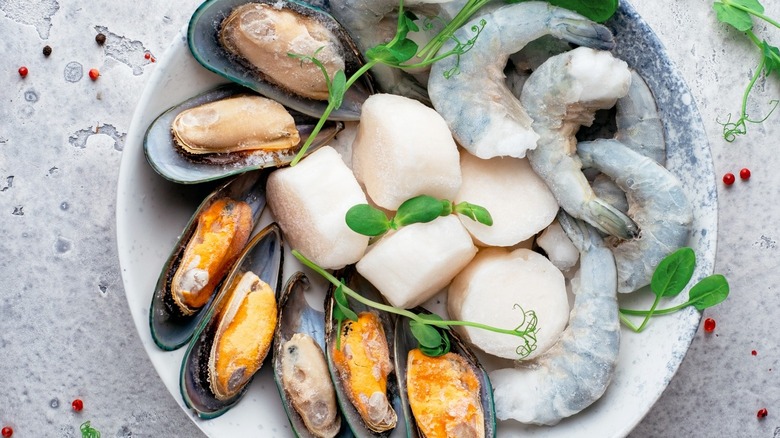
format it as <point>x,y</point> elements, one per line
<point>65,329</point>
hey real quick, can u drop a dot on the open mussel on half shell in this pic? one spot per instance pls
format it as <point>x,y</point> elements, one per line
<point>360,358</point>
<point>232,342</point>
<point>444,396</point>
<point>300,369</point>
<point>227,131</point>
<point>249,42</point>
<point>206,249</point>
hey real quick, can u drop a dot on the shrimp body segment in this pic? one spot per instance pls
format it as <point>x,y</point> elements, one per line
<point>656,201</point>
<point>560,96</point>
<point>480,109</point>
<point>576,371</point>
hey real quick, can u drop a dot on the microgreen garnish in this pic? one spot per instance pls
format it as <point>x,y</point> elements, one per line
<point>369,221</point>
<point>427,338</point>
<point>739,14</point>
<point>88,431</point>
<point>670,278</point>
<point>341,311</point>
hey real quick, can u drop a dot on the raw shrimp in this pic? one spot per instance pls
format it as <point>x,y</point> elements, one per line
<point>656,202</point>
<point>576,371</point>
<point>481,111</point>
<point>638,127</point>
<point>560,96</point>
<point>524,62</point>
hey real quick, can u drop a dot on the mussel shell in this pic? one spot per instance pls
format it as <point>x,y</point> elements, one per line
<point>263,256</point>
<point>203,39</point>
<point>170,328</point>
<point>355,422</point>
<point>405,342</point>
<point>169,162</point>
<point>296,316</point>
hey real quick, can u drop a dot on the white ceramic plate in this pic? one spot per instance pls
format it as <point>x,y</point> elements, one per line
<point>151,212</point>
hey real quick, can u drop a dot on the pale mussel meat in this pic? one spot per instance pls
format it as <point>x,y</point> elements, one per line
<point>206,249</point>
<point>232,342</point>
<point>444,396</point>
<point>227,131</point>
<point>249,42</point>
<point>360,357</point>
<point>300,369</point>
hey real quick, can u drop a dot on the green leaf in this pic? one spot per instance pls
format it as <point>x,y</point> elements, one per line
<point>426,335</point>
<point>475,212</point>
<point>673,273</point>
<point>446,207</point>
<point>409,21</point>
<point>599,11</point>
<point>381,54</point>
<point>709,291</point>
<point>403,50</point>
<point>730,15</point>
<point>420,209</point>
<point>367,220</point>
<point>771,58</point>
<point>753,5</point>
<point>342,305</point>
<point>338,87</point>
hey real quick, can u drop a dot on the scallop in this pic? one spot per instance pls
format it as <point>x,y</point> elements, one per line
<point>248,43</point>
<point>218,134</point>
<point>207,247</point>
<point>231,345</point>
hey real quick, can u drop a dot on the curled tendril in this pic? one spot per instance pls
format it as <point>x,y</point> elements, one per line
<point>732,129</point>
<point>88,431</point>
<point>461,48</point>
<point>527,329</point>
<point>430,22</point>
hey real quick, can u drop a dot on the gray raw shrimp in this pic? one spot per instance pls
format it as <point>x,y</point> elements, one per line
<point>524,62</point>
<point>576,371</point>
<point>560,96</point>
<point>639,127</point>
<point>656,201</point>
<point>483,115</point>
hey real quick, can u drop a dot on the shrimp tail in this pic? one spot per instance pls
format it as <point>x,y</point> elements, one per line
<point>578,231</point>
<point>610,220</point>
<point>584,33</point>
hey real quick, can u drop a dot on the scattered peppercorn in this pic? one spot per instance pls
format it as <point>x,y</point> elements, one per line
<point>23,71</point>
<point>709,325</point>
<point>7,432</point>
<point>744,173</point>
<point>762,413</point>
<point>153,60</point>
<point>46,51</point>
<point>94,74</point>
<point>77,405</point>
<point>729,179</point>
<point>147,55</point>
<point>754,353</point>
<point>100,38</point>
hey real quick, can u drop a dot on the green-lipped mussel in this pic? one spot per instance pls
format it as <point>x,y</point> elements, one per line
<point>360,358</point>
<point>455,376</point>
<point>300,368</point>
<point>231,38</point>
<point>207,247</point>
<point>231,343</point>
<point>227,131</point>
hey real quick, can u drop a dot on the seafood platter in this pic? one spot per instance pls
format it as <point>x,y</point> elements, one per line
<point>268,312</point>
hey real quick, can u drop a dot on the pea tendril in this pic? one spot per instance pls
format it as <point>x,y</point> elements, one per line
<point>526,330</point>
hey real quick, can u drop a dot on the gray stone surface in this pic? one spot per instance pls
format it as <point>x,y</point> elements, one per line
<point>65,329</point>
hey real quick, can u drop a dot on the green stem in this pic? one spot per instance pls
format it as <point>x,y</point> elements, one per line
<point>752,12</point>
<point>329,109</point>
<point>390,309</point>
<point>429,51</point>
<point>628,323</point>
<point>649,313</point>
<point>666,311</point>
